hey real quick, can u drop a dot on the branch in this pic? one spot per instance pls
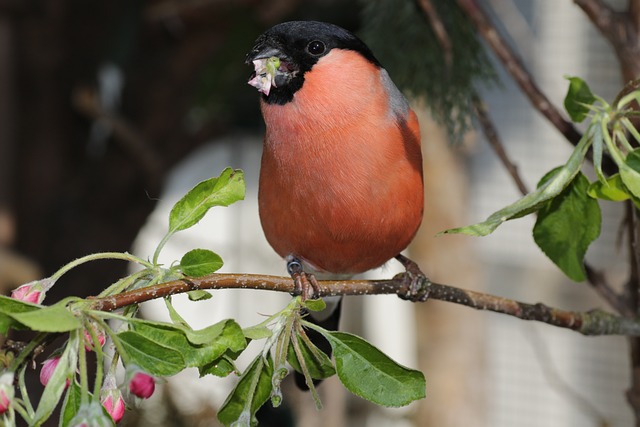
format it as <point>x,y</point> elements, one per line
<point>491,133</point>
<point>600,14</point>
<point>593,322</point>
<point>439,29</point>
<point>514,66</point>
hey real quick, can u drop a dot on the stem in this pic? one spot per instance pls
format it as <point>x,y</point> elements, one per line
<point>84,375</point>
<point>103,255</point>
<point>24,395</point>
<point>114,337</point>
<point>305,371</point>
<point>164,240</point>
<point>123,284</point>
<point>99,358</point>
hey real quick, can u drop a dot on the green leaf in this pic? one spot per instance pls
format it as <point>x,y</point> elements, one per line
<point>315,304</point>
<point>630,172</point>
<point>200,262</point>
<point>198,295</point>
<point>173,315</point>
<point>257,332</point>
<point>369,373</point>
<point>534,200</point>
<point>251,392</point>
<point>612,189</point>
<point>567,225</point>
<point>58,381</point>
<point>197,348</point>
<point>226,332</point>
<point>220,368</point>
<point>222,191</point>
<point>156,359</point>
<point>578,98</point>
<point>56,318</point>
<point>317,362</point>
<point>9,306</point>
<point>71,404</point>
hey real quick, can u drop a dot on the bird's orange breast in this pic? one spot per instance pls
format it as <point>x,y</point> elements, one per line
<point>341,176</point>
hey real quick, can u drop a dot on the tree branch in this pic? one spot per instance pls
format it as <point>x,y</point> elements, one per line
<point>593,322</point>
<point>439,29</point>
<point>600,14</point>
<point>518,72</point>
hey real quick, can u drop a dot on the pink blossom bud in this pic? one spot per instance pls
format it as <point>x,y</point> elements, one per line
<point>116,410</point>
<point>142,385</point>
<point>48,368</point>
<point>33,292</point>
<point>4,402</point>
<point>88,340</point>
<point>28,293</point>
<point>6,391</point>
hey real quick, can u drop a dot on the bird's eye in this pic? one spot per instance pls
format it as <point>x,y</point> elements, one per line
<point>316,47</point>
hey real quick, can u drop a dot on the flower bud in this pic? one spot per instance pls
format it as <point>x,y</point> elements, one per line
<point>48,368</point>
<point>89,345</point>
<point>114,404</point>
<point>6,391</point>
<point>142,385</point>
<point>33,292</point>
<point>28,293</point>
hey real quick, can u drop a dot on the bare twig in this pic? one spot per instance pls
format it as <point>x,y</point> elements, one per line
<point>491,134</point>
<point>593,322</point>
<point>600,14</point>
<point>514,66</point>
<point>439,29</point>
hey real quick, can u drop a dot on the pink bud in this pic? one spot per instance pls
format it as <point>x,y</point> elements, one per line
<point>4,402</point>
<point>142,385</point>
<point>28,293</point>
<point>88,341</point>
<point>6,391</point>
<point>115,410</point>
<point>48,368</point>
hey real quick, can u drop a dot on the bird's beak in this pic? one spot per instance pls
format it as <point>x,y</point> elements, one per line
<point>262,51</point>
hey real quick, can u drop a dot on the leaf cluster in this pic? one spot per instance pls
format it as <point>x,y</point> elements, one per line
<point>566,203</point>
<point>163,349</point>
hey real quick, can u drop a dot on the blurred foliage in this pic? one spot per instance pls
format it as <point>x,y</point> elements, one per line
<point>402,39</point>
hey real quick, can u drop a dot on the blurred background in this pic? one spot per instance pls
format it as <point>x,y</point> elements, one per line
<point>111,111</point>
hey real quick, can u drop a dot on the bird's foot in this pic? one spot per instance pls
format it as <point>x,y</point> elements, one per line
<point>304,284</point>
<point>417,282</point>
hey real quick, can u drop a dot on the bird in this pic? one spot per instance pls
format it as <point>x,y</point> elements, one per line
<point>341,181</point>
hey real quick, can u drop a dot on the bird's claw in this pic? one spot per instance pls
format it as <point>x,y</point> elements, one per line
<point>304,284</point>
<point>417,283</point>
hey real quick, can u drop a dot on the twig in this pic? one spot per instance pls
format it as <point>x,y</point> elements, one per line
<point>514,66</point>
<point>593,322</point>
<point>439,29</point>
<point>600,14</point>
<point>491,134</point>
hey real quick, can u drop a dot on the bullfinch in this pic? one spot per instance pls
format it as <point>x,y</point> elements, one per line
<point>340,187</point>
